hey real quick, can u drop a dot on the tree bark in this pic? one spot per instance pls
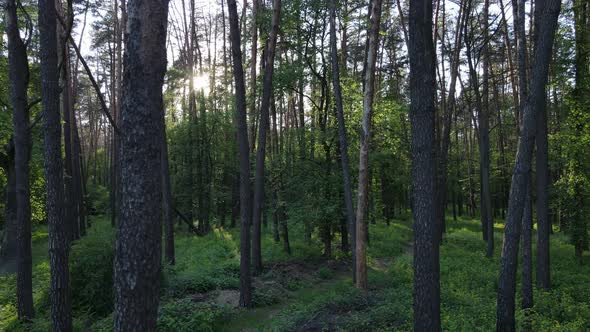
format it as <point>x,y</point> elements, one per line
<point>484,140</point>
<point>422,116</point>
<point>167,209</point>
<point>244,158</point>
<point>527,257</point>
<point>19,80</point>
<point>137,266</point>
<point>363,187</point>
<point>8,242</point>
<point>253,60</point>
<point>262,132</point>
<point>58,246</point>
<point>542,203</point>
<point>345,163</point>
<point>547,17</point>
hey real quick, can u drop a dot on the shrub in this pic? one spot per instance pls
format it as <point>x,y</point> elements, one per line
<point>91,263</point>
<point>186,315</point>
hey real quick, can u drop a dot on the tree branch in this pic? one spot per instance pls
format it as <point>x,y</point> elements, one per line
<point>92,80</point>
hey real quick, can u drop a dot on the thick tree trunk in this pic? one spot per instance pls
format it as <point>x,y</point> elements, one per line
<point>422,115</point>
<point>138,246</point>
<point>262,132</point>
<point>58,242</point>
<point>344,161</point>
<point>363,188</point>
<point>547,17</point>
<point>19,81</point>
<point>244,158</point>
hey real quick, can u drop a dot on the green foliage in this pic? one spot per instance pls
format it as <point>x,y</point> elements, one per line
<point>325,273</point>
<point>203,264</point>
<point>98,199</point>
<point>186,316</point>
<point>573,195</point>
<point>91,263</point>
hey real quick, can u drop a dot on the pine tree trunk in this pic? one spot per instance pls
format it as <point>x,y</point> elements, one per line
<point>59,296</point>
<point>363,187</point>
<point>527,254</point>
<point>548,11</point>
<point>422,115</point>
<point>244,159</point>
<point>262,133</point>
<point>137,266</point>
<point>19,81</point>
<point>167,209</point>
<point>345,163</point>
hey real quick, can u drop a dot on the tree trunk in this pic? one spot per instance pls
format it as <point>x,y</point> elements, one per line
<point>253,60</point>
<point>422,116</point>
<point>167,210</point>
<point>58,246</point>
<point>262,132</point>
<point>527,257</point>
<point>345,163</point>
<point>8,242</point>
<point>244,159</point>
<point>369,93</point>
<point>19,81</point>
<point>484,140</point>
<point>542,203</point>
<point>137,267</point>
<point>547,18</point>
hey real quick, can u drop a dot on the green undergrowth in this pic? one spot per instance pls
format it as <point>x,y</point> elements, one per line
<point>305,291</point>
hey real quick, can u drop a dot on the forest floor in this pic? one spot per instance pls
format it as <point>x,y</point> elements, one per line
<point>305,291</point>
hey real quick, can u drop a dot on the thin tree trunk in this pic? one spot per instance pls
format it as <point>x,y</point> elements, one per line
<point>542,202</point>
<point>345,163</point>
<point>262,132</point>
<point>253,60</point>
<point>369,94</point>
<point>547,18</point>
<point>167,209</point>
<point>527,257</point>
<point>244,159</point>
<point>484,140</point>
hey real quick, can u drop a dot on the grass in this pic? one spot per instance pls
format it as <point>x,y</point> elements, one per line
<point>304,290</point>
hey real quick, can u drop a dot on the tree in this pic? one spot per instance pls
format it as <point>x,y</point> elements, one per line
<point>422,111</point>
<point>527,257</point>
<point>546,13</point>
<point>344,161</point>
<point>19,79</point>
<point>61,316</point>
<point>137,267</point>
<point>267,90</point>
<point>484,139</point>
<point>167,207</point>
<point>363,189</point>
<point>244,158</point>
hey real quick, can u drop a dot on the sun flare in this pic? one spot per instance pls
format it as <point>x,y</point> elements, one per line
<point>201,82</point>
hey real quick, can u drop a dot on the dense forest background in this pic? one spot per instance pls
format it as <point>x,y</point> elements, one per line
<point>208,147</point>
